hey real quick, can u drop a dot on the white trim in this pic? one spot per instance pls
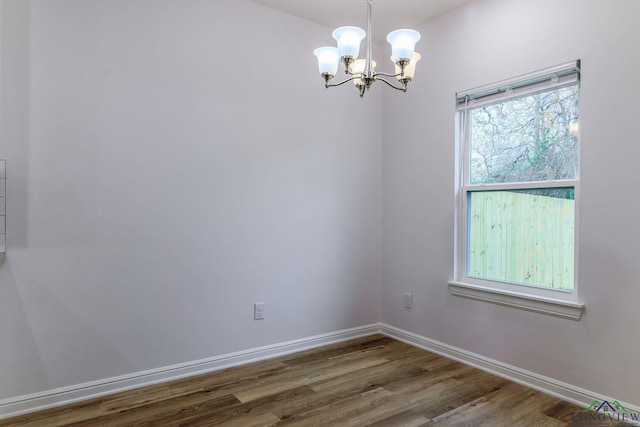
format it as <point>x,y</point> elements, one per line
<point>524,185</point>
<point>65,395</point>
<point>62,396</point>
<point>559,389</point>
<point>544,305</point>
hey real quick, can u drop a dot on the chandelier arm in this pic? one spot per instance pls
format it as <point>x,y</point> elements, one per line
<point>327,85</point>
<point>387,74</point>
<point>403,89</point>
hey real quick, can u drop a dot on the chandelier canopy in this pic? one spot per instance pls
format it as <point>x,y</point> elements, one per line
<point>362,70</point>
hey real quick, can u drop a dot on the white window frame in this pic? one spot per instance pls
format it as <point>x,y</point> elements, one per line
<point>533,298</point>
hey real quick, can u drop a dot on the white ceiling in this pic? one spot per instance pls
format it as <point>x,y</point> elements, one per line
<point>387,15</point>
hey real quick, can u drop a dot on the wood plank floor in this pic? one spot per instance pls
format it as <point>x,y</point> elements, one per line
<point>371,381</point>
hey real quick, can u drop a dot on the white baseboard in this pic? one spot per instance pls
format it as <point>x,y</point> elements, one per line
<point>66,395</point>
<point>550,386</point>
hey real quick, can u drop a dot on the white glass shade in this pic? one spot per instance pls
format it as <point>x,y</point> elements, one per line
<point>403,43</point>
<point>409,70</point>
<point>357,68</point>
<point>348,39</point>
<point>327,60</point>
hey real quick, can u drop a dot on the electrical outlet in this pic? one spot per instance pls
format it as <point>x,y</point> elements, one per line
<point>408,300</point>
<point>258,311</point>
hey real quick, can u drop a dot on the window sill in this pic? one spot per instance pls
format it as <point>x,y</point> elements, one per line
<point>553,307</point>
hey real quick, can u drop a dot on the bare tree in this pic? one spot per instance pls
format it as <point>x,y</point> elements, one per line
<point>532,138</point>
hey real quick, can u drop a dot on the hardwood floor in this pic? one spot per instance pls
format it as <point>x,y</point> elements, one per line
<point>371,381</point>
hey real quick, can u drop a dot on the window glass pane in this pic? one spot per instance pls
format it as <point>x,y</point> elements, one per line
<point>531,138</point>
<point>522,236</point>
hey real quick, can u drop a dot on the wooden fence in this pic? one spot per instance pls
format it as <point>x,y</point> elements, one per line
<point>522,238</point>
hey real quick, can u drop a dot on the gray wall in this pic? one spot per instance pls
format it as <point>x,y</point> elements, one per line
<point>170,163</point>
<point>481,43</point>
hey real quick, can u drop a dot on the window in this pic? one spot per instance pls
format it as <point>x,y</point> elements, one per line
<point>518,183</point>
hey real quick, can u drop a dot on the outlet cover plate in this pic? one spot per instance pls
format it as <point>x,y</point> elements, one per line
<point>408,300</point>
<point>258,311</point>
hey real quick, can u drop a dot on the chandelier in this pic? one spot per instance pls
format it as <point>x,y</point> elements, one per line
<point>362,70</point>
